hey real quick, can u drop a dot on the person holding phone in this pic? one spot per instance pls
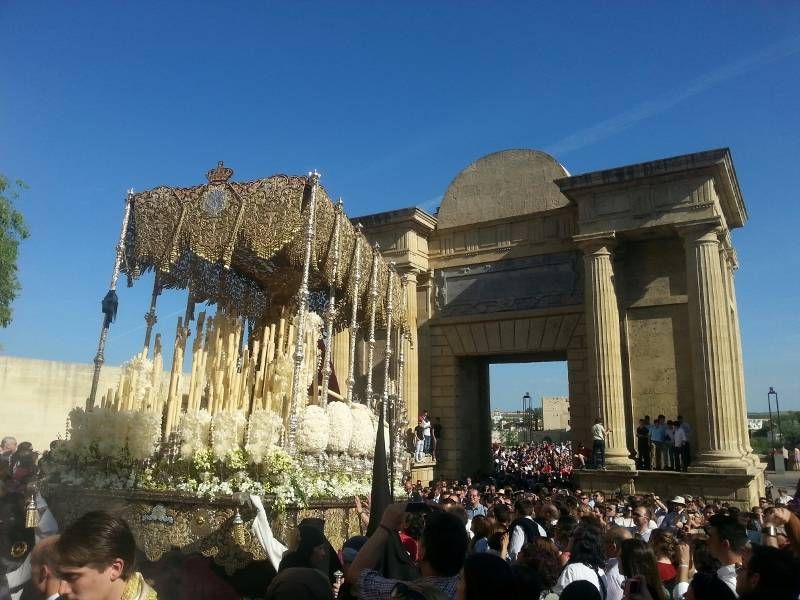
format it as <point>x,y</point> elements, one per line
<point>637,563</point>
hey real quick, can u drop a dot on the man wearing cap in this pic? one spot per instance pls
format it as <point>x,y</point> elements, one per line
<point>676,513</point>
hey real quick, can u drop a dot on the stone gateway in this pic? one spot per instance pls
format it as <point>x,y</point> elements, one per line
<point>626,273</point>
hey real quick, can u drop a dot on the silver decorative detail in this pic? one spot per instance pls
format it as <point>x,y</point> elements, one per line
<point>373,298</point>
<point>401,412</point>
<point>215,201</point>
<point>302,309</point>
<point>351,380</point>
<point>387,361</point>
<point>330,312</point>
<point>100,358</point>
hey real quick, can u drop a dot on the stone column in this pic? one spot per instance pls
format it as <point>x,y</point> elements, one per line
<point>714,395</point>
<point>411,350</point>
<point>729,265</point>
<point>603,342</point>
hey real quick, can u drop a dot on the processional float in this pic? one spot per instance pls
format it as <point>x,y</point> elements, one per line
<point>294,287</point>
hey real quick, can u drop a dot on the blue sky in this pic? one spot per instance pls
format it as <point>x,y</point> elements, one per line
<point>388,102</point>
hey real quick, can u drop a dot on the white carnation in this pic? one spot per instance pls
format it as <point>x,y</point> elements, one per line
<point>194,430</point>
<point>144,432</point>
<point>263,431</point>
<point>340,423</point>
<point>312,430</point>
<point>227,434</point>
<point>362,442</point>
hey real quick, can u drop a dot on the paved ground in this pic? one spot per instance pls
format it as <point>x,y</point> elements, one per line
<point>787,480</point>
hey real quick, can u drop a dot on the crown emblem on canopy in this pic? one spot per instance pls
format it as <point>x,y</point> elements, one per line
<point>219,175</point>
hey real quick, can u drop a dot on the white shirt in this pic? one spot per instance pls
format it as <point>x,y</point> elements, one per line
<point>728,576</point>
<point>598,432</point>
<point>578,572</point>
<point>518,539</point>
<point>53,597</point>
<point>679,437</point>
<point>614,580</point>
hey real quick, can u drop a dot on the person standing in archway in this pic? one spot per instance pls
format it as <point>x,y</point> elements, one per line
<point>599,433</point>
<point>437,437</point>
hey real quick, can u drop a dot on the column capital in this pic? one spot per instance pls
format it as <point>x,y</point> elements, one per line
<point>702,232</point>
<point>596,243</point>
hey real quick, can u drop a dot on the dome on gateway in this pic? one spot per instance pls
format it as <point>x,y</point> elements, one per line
<point>501,185</point>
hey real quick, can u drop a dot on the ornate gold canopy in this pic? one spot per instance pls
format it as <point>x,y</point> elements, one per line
<point>240,245</point>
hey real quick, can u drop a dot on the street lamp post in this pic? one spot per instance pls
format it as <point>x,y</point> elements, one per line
<point>772,394</point>
<point>527,415</point>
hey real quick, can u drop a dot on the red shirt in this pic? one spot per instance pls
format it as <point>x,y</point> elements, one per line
<point>666,571</point>
<point>410,544</point>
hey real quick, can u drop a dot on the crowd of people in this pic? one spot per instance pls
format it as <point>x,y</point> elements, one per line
<point>524,531</point>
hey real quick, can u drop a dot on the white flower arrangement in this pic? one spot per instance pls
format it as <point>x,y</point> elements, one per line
<point>144,433</point>
<point>312,430</point>
<point>227,433</point>
<point>194,431</point>
<point>139,369</point>
<point>263,431</point>
<point>362,442</point>
<point>110,431</point>
<point>340,426</point>
<point>281,371</point>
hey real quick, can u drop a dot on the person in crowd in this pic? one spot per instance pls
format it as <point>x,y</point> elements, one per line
<point>473,506</point>
<point>679,445</point>
<point>613,578</point>
<point>770,574</point>
<point>727,541</point>
<point>586,559</point>
<point>411,533</point>
<point>419,441</point>
<point>665,548</point>
<point>796,466</point>
<point>563,535</point>
<point>542,557</point>
<point>642,522</point>
<point>707,586</point>
<point>481,528</point>
<point>96,560</point>
<point>44,583</point>
<point>580,590</point>
<point>442,548</point>
<point>313,551</point>
<point>657,436</point>
<point>686,454</point>
<point>669,443</point>
<point>342,588</point>
<point>638,560</point>
<point>436,430</point>
<point>528,583</point>
<point>643,445</point>
<point>485,576</point>
<point>294,583</point>
<point>523,529</point>
<point>426,432</point>
<point>599,433</point>
<point>676,514</point>
<point>8,445</point>
<point>783,496</point>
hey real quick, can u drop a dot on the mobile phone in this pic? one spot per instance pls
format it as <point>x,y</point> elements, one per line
<point>633,586</point>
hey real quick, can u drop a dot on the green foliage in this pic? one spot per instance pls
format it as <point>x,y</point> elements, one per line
<point>510,437</point>
<point>12,231</point>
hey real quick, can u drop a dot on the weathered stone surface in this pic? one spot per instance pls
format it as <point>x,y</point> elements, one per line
<point>505,184</point>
